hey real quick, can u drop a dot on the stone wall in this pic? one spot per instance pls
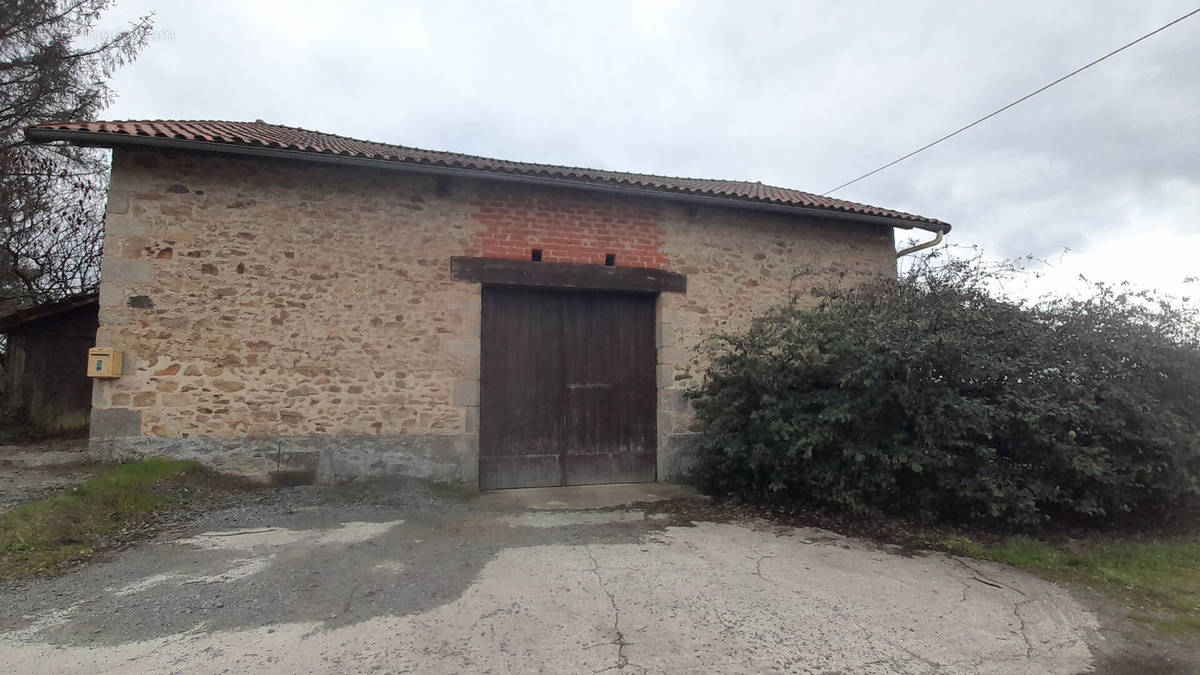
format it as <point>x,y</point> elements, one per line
<point>740,264</point>
<point>297,317</point>
<point>286,302</point>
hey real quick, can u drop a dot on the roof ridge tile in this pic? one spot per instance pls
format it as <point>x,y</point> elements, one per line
<point>309,141</point>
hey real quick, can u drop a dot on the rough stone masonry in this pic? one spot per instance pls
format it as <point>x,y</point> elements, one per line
<point>285,316</point>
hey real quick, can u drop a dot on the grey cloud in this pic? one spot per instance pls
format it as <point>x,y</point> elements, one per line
<point>804,95</point>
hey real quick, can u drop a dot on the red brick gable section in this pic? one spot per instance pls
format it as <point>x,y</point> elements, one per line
<point>574,230</point>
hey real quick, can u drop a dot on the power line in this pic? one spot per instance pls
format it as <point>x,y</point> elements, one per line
<point>1023,98</point>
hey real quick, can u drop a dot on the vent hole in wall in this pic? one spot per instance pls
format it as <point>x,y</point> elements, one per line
<point>536,255</point>
<point>610,259</point>
<point>441,186</point>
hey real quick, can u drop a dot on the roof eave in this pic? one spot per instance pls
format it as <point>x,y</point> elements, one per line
<point>111,140</point>
<point>46,310</point>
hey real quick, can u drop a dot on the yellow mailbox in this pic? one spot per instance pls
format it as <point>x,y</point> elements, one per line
<point>104,362</point>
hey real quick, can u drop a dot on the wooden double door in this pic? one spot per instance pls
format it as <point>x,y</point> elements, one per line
<point>567,388</point>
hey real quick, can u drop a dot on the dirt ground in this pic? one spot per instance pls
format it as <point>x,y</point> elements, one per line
<point>35,470</point>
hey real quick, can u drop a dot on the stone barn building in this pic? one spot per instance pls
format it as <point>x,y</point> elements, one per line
<point>293,301</point>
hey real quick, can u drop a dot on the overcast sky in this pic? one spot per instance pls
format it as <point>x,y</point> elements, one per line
<point>802,94</point>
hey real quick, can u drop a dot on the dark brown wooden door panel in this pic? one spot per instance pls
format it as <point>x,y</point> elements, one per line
<point>567,392</point>
<point>609,350</point>
<point>521,378</point>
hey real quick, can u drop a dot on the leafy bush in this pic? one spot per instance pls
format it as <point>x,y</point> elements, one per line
<point>936,396</point>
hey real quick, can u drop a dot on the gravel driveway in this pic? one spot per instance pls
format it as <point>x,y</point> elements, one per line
<point>32,471</point>
<point>299,581</point>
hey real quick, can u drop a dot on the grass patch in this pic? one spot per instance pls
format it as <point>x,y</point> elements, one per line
<point>42,537</point>
<point>1159,579</point>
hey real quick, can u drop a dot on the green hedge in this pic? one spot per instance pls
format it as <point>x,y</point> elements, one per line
<point>934,396</point>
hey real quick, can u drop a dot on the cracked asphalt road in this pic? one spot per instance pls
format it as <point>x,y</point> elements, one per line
<point>447,586</point>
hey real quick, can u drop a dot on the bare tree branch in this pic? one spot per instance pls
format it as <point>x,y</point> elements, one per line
<point>51,197</point>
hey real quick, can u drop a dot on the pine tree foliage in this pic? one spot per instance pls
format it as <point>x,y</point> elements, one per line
<point>54,66</point>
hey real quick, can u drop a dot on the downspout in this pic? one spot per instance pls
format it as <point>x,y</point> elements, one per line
<point>921,247</point>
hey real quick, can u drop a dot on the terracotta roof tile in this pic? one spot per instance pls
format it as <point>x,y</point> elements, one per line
<point>260,134</point>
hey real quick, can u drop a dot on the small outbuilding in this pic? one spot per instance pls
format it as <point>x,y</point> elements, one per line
<point>45,376</point>
<point>293,301</point>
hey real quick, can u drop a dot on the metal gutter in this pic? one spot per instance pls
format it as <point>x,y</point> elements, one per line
<point>111,140</point>
<point>920,247</point>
